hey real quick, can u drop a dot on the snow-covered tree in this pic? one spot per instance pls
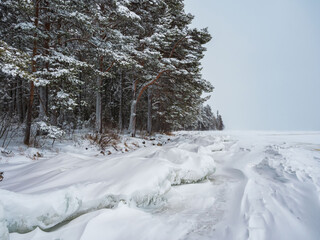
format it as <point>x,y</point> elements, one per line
<point>127,64</point>
<point>220,124</point>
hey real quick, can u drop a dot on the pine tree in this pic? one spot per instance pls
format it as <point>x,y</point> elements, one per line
<point>126,64</point>
<point>220,125</point>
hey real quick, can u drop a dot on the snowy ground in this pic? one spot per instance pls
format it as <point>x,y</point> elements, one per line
<point>199,185</point>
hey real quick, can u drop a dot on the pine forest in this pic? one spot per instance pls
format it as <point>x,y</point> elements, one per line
<point>128,65</point>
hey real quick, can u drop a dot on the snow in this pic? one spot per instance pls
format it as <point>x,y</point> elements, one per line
<point>27,26</point>
<point>194,185</point>
<point>123,10</point>
<point>51,131</point>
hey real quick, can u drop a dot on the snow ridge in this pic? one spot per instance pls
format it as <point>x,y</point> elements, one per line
<point>60,189</point>
<point>201,185</point>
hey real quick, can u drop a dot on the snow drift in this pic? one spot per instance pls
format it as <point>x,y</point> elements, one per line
<point>201,185</point>
<point>48,192</point>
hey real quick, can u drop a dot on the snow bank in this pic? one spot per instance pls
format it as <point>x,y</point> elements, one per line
<point>120,226</point>
<point>45,193</point>
<point>4,233</point>
<point>265,186</point>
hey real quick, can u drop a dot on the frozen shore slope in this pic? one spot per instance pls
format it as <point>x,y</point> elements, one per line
<point>200,185</point>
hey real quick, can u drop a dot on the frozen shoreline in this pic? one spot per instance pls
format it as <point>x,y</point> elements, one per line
<point>201,185</point>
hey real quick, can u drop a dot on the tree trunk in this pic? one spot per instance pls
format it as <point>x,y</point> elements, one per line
<point>98,106</point>
<point>133,111</point>
<point>149,122</point>
<point>11,103</point>
<point>34,69</point>
<point>98,126</point>
<point>29,115</point>
<point>19,100</point>
<point>133,116</point>
<point>43,89</point>
<point>54,113</point>
<point>99,101</point>
<point>42,107</point>
<point>120,123</point>
<point>24,104</point>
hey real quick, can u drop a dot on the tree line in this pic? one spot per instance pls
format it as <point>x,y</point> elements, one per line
<point>126,64</point>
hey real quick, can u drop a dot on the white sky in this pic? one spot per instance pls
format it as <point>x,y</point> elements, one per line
<point>263,60</point>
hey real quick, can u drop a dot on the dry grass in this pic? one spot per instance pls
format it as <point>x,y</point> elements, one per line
<point>135,144</point>
<point>169,134</point>
<point>104,140</point>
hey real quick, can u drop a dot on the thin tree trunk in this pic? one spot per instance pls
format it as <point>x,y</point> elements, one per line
<point>98,126</point>
<point>98,106</point>
<point>24,104</point>
<point>133,111</point>
<point>42,108</point>
<point>19,100</point>
<point>14,101</point>
<point>149,122</point>
<point>99,100</point>
<point>43,89</point>
<point>29,115</point>
<point>136,98</point>
<point>133,117</point>
<point>31,97</point>
<point>99,96</point>
<point>82,90</point>
<point>132,126</point>
<point>11,104</point>
<point>54,113</point>
<point>120,123</point>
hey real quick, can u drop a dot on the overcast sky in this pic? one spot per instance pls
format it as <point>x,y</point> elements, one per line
<point>263,60</point>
